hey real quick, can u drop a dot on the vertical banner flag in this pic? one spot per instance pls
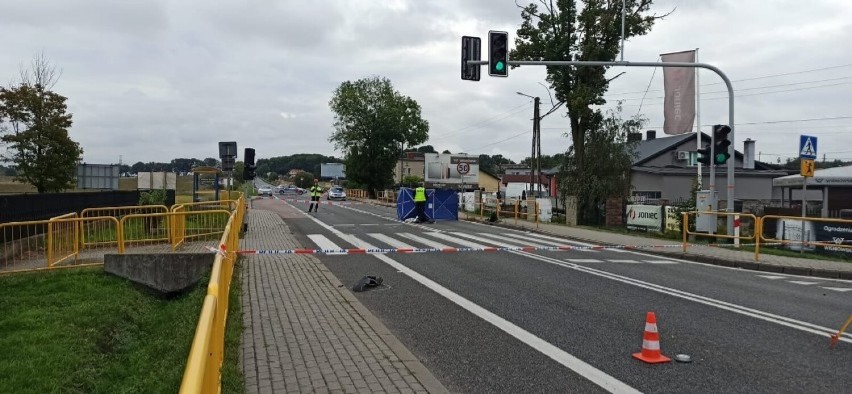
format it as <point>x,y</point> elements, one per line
<point>679,85</point>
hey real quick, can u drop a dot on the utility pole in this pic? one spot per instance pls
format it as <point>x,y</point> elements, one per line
<point>537,127</point>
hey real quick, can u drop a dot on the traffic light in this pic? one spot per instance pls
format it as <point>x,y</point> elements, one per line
<point>704,155</point>
<point>471,50</point>
<point>249,167</point>
<point>721,143</point>
<point>498,53</point>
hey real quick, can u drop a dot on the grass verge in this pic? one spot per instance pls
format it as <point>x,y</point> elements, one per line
<point>232,374</point>
<point>85,331</point>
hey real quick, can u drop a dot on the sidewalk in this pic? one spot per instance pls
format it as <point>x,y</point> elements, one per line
<point>726,256</point>
<point>305,332</point>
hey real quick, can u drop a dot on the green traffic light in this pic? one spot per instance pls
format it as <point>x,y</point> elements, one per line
<point>499,66</point>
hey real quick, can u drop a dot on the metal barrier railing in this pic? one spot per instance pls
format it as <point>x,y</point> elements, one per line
<point>96,233</point>
<point>173,228</point>
<point>203,367</point>
<point>807,237</point>
<point>48,243</point>
<point>517,210</point>
<point>751,235</point>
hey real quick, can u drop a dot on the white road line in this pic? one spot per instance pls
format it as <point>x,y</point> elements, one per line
<point>519,242</point>
<point>450,238</point>
<point>390,241</point>
<point>561,240</point>
<point>660,261</point>
<point>743,310</point>
<point>324,243</point>
<point>802,282</point>
<point>584,260</point>
<point>582,368</point>
<point>840,289</point>
<point>424,241</point>
<point>772,277</point>
<point>623,261</point>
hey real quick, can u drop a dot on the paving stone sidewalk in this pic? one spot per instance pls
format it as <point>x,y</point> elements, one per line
<point>305,333</point>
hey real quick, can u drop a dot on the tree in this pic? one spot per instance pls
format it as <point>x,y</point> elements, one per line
<point>426,149</point>
<point>373,122</point>
<point>492,164</point>
<point>36,130</point>
<point>607,173</point>
<point>304,180</point>
<point>561,32</point>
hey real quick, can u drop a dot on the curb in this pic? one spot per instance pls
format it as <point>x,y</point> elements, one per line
<point>423,375</point>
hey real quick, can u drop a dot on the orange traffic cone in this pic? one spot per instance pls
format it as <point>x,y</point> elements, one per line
<point>651,343</point>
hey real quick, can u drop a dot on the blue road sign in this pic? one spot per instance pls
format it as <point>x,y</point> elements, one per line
<point>807,147</point>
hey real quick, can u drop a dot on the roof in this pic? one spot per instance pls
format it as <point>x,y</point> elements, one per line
<point>646,150</point>
<point>521,179</point>
<point>649,149</point>
<point>837,176</point>
<point>691,171</point>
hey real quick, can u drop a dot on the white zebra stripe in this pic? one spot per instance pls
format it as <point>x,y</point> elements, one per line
<point>650,345</point>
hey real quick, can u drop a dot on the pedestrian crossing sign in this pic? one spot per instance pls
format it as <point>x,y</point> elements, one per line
<point>807,147</point>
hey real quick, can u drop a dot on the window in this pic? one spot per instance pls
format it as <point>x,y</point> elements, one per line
<point>693,159</point>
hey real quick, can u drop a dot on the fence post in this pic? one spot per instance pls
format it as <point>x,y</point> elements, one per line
<point>49,242</point>
<point>758,232</point>
<point>685,228</point>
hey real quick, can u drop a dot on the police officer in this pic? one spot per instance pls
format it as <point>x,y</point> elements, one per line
<point>420,203</point>
<point>316,192</point>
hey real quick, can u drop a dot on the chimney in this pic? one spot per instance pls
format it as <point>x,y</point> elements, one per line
<point>651,135</point>
<point>634,137</point>
<point>748,154</point>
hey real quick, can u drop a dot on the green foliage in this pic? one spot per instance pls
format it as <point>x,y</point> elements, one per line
<point>565,31</point>
<point>304,180</point>
<point>686,206</point>
<point>7,171</point>
<point>547,161</point>
<point>411,180</point>
<point>153,197</point>
<point>281,165</point>
<point>426,149</point>
<point>37,137</point>
<point>373,122</point>
<point>84,331</point>
<point>607,174</point>
<point>492,164</point>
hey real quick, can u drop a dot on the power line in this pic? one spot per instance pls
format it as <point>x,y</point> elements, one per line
<point>753,78</point>
<point>737,95</point>
<point>498,142</point>
<point>494,118</point>
<point>747,123</point>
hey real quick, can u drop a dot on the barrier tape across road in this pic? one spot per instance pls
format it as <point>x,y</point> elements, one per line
<point>562,248</point>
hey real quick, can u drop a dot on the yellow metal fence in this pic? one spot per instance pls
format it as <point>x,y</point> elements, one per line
<point>203,367</point>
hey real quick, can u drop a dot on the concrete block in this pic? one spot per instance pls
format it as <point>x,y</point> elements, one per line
<point>167,273</point>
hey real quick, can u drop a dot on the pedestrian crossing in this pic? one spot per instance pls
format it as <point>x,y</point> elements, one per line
<point>450,240</point>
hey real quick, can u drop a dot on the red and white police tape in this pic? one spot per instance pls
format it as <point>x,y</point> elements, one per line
<point>561,248</point>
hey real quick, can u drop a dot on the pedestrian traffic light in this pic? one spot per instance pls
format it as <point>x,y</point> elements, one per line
<point>248,165</point>
<point>704,155</point>
<point>471,50</point>
<point>721,143</point>
<point>498,53</point>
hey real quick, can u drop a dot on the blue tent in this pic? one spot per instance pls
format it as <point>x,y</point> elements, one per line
<point>440,204</point>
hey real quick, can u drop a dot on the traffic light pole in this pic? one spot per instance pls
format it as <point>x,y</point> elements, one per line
<point>731,188</point>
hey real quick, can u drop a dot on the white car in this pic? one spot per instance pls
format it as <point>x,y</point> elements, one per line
<point>264,191</point>
<point>337,193</point>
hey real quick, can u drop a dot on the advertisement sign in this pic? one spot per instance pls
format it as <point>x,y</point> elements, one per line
<point>645,217</point>
<point>673,219</point>
<point>836,234</point>
<point>442,171</point>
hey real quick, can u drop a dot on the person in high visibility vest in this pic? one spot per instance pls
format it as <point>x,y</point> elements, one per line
<point>420,203</point>
<point>316,192</point>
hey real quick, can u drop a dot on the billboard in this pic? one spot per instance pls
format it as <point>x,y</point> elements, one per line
<point>451,171</point>
<point>332,171</point>
<point>645,217</point>
<point>156,180</point>
<point>97,176</point>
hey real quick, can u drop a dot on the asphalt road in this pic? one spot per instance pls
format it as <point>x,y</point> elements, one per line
<point>568,321</point>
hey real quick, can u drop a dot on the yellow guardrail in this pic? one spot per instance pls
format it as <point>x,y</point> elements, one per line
<point>751,235</point>
<point>356,193</point>
<point>805,235</point>
<point>99,227</point>
<point>517,210</point>
<point>43,244</point>
<point>203,367</point>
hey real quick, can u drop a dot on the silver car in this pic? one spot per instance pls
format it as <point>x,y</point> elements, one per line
<point>337,193</point>
<point>264,191</point>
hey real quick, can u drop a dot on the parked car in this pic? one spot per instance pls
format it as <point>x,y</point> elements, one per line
<point>264,191</point>
<point>337,193</point>
<point>290,189</point>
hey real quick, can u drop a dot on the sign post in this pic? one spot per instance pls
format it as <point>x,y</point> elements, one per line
<point>463,168</point>
<point>807,155</point>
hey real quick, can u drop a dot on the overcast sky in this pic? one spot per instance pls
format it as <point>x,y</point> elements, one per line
<point>155,80</point>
